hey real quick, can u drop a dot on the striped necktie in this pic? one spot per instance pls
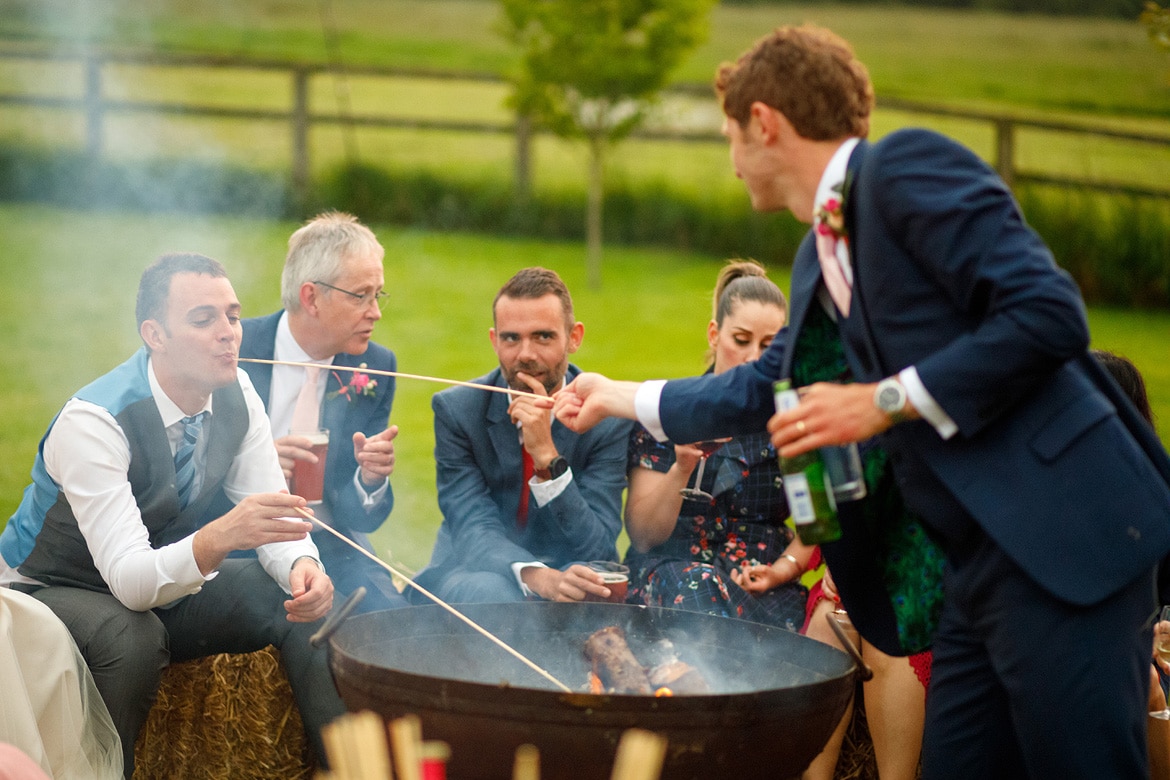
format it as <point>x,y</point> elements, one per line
<point>185,458</point>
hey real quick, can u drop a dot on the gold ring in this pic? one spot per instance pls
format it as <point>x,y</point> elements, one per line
<point>800,426</point>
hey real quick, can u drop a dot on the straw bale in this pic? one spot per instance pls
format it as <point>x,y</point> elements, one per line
<point>224,716</point>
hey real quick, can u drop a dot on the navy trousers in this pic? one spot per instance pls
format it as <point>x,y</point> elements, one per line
<point>1024,685</point>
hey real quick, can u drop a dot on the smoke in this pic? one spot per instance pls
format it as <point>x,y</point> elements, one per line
<point>104,157</point>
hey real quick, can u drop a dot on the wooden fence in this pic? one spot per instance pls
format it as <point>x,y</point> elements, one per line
<point>301,117</point>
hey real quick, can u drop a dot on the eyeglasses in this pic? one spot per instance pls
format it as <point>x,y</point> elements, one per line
<point>364,299</point>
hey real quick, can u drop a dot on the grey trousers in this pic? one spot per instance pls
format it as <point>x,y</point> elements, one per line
<point>238,611</point>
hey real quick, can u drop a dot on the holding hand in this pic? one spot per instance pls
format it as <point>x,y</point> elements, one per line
<point>590,398</point>
<point>263,518</point>
<point>572,584</point>
<point>292,448</point>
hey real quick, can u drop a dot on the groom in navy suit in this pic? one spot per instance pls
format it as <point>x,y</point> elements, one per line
<point>331,288</point>
<point>965,354</point>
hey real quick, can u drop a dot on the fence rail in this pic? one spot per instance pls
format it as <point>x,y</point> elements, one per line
<point>301,118</point>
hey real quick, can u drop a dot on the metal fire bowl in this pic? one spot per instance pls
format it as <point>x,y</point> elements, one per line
<point>776,696</point>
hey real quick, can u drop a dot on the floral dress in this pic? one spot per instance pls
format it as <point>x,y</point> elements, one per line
<point>742,523</point>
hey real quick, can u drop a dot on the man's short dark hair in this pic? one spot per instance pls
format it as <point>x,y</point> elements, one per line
<point>155,285</point>
<point>533,283</point>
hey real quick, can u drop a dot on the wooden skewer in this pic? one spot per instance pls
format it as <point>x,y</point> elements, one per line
<point>406,739</point>
<point>490,388</point>
<point>639,756</point>
<point>513,651</point>
<point>527,763</point>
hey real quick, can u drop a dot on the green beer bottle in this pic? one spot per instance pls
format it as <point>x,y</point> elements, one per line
<point>810,495</point>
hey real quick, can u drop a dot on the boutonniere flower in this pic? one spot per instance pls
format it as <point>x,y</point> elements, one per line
<point>359,384</point>
<point>830,215</point>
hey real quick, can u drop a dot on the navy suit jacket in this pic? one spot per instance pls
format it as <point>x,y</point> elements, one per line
<point>479,474</point>
<point>1050,458</point>
<point>342,418</point>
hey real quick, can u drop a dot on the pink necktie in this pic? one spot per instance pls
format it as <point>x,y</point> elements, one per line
<point>307,412</point>
<point>831,271</point>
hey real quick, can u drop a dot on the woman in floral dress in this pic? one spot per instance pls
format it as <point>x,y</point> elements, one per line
<point>693,531</point>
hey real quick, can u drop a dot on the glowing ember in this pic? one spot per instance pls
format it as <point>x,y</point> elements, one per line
<point>664,691</point>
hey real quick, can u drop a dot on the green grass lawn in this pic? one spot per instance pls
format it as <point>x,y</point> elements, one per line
<point>66,310</point>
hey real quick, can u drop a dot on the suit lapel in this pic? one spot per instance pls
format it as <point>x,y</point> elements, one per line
<point>856,331</point>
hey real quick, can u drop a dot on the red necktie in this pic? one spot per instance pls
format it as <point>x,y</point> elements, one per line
<point>522,511</point>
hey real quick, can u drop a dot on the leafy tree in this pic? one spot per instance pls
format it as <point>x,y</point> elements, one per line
<point>591,69</point>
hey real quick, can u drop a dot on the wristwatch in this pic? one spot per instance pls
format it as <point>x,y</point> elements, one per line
<point>557,467</point>
<point>890,397</point>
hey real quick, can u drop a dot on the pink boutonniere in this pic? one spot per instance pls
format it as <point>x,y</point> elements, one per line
<point>359,384</point>
<point>830,216</point>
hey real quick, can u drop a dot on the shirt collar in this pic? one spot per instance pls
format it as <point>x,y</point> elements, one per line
<point>168,409</point>
<point>834,174</point>
<point>286,347</point>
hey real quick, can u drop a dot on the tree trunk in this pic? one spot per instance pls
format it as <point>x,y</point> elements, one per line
<point>596,195</point>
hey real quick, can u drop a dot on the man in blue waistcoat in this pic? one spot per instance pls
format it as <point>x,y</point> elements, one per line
<point>108,534</point>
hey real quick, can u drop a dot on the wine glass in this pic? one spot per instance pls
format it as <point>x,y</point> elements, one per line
<point>697,493</point>
<point>1162,651</point>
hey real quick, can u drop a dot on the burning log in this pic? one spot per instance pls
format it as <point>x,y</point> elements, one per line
<point>617,670</point>
<point>677,677</point>
<point>614,663</point>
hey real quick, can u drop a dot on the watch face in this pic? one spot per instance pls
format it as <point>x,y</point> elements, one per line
<point>890,399</point>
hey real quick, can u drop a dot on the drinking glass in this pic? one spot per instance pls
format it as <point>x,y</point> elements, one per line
<point>1162,651</point>
<point>696,492</point>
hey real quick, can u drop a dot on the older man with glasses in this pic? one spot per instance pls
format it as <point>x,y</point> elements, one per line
<point>331,288</point>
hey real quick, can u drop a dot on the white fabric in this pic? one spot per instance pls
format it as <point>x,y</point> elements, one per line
<point>87,454</point>
<point>925,404</point>
<point>646,400</point>
<point>49,706</point>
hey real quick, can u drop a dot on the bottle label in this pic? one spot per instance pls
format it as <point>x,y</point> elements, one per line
<point>800,502</point>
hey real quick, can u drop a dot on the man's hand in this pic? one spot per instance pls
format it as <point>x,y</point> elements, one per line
<point>263,518</point>
<point>312,592</point>
<point>572,584</point>
<point>828,414</point>
<point>535,420</point>
<point>375,455</point>
<point>291,449</point>
<point>590,398</point>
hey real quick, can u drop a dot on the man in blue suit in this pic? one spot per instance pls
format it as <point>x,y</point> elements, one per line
<point>331,288</point>
<point>525,500</point>
<point>964,349</point>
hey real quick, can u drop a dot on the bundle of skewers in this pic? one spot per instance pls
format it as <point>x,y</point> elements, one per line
<point>358,749</point>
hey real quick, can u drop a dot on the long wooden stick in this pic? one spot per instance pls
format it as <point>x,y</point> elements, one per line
<point>491,388</point>
<point>519,656</point>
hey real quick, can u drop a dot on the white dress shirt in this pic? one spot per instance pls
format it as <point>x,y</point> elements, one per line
<point>87,454</point>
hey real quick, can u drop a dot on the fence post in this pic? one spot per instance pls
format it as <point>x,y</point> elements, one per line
<point>523,172</point>
<point>1005,150</point>
<point>93,106</point>
<point>300,136</point>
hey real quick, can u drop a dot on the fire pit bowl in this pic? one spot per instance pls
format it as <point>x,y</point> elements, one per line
<point>775,696</point>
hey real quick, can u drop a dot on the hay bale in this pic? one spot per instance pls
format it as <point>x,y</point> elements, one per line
<point>224,716</point>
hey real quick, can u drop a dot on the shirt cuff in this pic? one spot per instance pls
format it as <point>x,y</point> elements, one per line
<point>925,404</point>
<point>520,566</point>
<point>546,491</point>
<point>369,498</point>
<point>646,401</point>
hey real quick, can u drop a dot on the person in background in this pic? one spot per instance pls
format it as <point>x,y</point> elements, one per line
<point>894,698</point>
<point>525,501</point>
<point>718,544</point>
<point>1130,380</point>
<point>967,347</point>
<point>331,288</point>
<point>108,535</point>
